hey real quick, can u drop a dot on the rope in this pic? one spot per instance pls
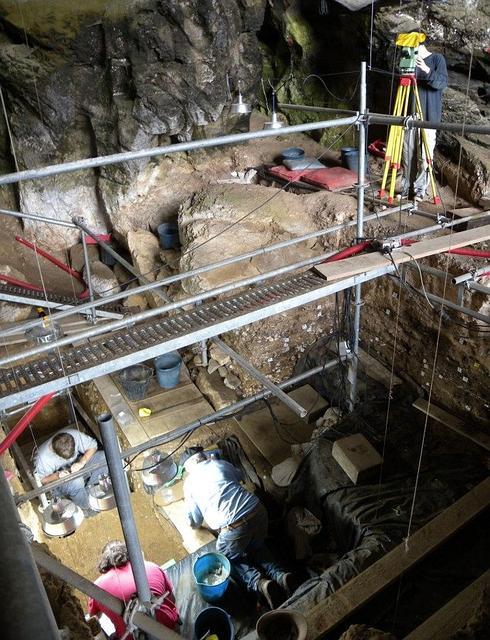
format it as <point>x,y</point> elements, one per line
<point>436,353</point>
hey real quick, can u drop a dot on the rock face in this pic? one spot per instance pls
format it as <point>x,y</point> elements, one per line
<point>463,362</point>
<point>98,77</point>
<point>228,220</point>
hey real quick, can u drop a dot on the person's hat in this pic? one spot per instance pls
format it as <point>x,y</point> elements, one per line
<point>189,453</point>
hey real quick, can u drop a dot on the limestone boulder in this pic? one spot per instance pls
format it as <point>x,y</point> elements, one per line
<point>103,280</point>
<point>77,258</point>
<point>145,254</point>
<point>9,311</point>
<point>228,220</point>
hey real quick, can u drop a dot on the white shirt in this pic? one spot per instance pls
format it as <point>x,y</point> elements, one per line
<point>48,462</point>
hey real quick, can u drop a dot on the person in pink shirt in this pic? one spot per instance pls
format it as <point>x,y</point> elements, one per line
<point>117,579</point>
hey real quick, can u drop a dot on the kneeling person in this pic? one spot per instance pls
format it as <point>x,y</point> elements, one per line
<point>68,451</point>
<point>213,492</point>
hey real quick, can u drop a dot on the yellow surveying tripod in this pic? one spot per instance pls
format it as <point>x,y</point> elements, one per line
<point>409,43</point>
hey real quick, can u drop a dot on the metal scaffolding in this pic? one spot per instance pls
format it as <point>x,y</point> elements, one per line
<point>24,582</point>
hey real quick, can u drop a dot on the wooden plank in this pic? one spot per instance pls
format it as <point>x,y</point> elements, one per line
<point>192,539</point>
<point>120,409</point>
<point>328,614</point>
<point>367,262</point>
<point>436,413</point>
<point>261,430</point>
<point>454,615</point>
<point>377,371</point>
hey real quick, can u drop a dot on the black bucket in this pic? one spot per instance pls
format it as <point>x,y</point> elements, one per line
<point>135,381</point>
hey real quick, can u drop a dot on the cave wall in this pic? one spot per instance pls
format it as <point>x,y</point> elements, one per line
<point>104,76</point>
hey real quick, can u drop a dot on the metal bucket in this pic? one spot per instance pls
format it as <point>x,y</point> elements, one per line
<point>61,518</point>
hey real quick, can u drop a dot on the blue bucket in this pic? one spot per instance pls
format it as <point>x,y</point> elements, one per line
<point>214,620</point>
<point>168,369</point>
<point>208,564</point>
<point>168,233</point>
<point>350,158</point>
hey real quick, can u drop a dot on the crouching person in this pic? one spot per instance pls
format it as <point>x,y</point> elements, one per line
<point>68,451</point>
<point>213,493</point>
<point>117,579</point>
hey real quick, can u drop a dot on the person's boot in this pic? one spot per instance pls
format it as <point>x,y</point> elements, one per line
<point>271,592</point>
<point>289,583</point>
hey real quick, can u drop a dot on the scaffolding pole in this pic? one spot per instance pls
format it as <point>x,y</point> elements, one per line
<point>264,380</point>
<point>118,158</point>
<point>75,580</point>
<point>354,364</point>
<point>25,612</point>
<point>123,503</point>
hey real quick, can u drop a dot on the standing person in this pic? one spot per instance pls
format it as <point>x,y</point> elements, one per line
<point>431,74</point>
<point>68,451</point>
<point>213,493</point>
<point>117,579</point>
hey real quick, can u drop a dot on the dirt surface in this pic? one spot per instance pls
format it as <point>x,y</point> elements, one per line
<point>160,542</point>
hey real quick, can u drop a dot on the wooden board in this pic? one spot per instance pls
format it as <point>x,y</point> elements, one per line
<point>367,262</point>
<point>436,413</point>
<point>328,614</point>
<point>261,430</point>
<point>192,539</point>
<point>455,614</point>
<point>116,403</point>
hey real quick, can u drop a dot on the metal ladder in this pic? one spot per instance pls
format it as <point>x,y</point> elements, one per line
<point>58,370</point>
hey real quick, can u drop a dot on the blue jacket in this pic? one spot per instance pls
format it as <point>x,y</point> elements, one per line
<point>431,86</point>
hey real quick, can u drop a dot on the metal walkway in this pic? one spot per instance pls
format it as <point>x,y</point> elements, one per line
<point>70,366</point>
<point>22,295</point>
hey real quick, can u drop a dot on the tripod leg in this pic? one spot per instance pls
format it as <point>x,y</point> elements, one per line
<point>392,136</point>
<point>397,154</point>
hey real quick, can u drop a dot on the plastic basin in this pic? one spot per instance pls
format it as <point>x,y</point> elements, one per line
<point>291,153</point>
<point>206,565</point>
<point>135,381</point>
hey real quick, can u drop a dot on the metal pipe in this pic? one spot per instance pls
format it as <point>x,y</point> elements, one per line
<point>37,218</point>
<point>353,373</point>
<point>88,276</point>
<point>264,380</point>
<point>470,276</point>
<point>451,305</point>
<point>475,286</point>
<point>54,566</point>
<point>411,123</point>
<point>441,226</point>
<point>209,267</point>
<point>381,118</point>
<point>123,503</point>
<point>181,431</point>
<point>75,580</point>
<point>26,613</point>
<point>116,158</point>
<point>127,265</point>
